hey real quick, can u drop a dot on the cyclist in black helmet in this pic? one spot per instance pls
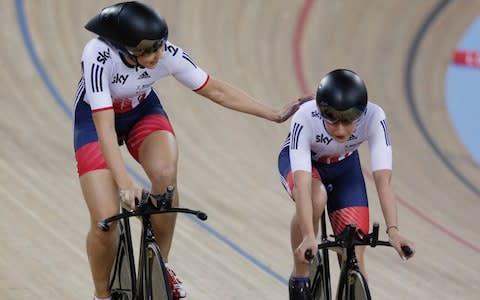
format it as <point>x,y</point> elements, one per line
<point>132,27</point>
<point>320,158</point>
<point>115,103</point>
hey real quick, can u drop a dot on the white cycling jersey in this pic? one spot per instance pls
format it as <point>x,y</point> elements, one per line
<point>109,81</point>
<point>309,140</point>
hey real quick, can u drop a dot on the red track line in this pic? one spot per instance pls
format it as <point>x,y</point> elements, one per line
<point>297,45</point>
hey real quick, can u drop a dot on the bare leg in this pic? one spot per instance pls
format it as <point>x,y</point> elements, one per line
<point>158,156</point>
<point>101,196</point>
<point>360,253</point>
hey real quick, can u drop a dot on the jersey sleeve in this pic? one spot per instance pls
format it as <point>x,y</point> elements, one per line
<point>300,143</point>
<point>184,69</point>
<point>96,65</point>
<point>379,144</point>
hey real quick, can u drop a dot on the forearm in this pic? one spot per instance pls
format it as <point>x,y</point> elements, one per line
<point>113,157</point>
<point>303,204</point>
<point>231,97</point>
<point>389,208</point>
<point>386,196</point>
<point>304,215</point>
<point>107,138</point>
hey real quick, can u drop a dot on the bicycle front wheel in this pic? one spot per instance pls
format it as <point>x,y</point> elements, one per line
<point>122,276</point>
<point>156,281</point>
<point>358,287</point>
<point>317,278</point>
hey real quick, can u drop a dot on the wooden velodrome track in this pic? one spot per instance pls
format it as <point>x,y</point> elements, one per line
<point>276,51</point>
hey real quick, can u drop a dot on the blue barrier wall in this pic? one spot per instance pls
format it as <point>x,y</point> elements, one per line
<point>463,94</point>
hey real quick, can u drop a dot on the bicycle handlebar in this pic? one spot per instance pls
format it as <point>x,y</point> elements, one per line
<point>407,251</point>
<point>350,238</point>
<point>145,207</point>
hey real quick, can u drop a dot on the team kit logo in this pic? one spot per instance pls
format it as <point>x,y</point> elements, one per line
<point>144,75</point>
<point>120,78</point>
<point>324,139</point>
<point>103,56</point>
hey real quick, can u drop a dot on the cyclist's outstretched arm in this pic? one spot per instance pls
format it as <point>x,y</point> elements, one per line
<point>231,97</point>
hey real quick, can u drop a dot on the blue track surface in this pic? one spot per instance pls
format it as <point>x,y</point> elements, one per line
<point>463,94</point>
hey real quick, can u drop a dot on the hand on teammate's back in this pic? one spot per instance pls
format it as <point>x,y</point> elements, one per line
<point>290,108</point>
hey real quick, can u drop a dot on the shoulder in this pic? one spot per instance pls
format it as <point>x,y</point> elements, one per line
<point>375,111</point>
<point>97,50</point>
<point>172,50</point>
<point>375,118</point>
<point>309,109</point>
<point>176,56</point>
<point>307,113</point>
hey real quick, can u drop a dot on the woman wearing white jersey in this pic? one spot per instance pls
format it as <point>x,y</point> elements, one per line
<point>319,158</point>
<point>115,103</point>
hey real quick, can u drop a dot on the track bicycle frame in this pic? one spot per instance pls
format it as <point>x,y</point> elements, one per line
<point>123,277</point>
<point>344,244</point>
<point>124,280</point>
<point>350,271</point>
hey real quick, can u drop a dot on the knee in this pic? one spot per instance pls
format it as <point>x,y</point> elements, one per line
<point>163,175</point>
<point>103,237</point>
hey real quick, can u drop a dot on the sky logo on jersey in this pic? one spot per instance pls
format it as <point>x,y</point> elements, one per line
<point>144,75</point>
<point>323,139</point>
<point>172,49</point>
<point>315,114</point>
<point>103,56</point>
<point>118,78</point>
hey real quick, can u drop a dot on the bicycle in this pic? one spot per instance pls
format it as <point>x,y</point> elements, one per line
<point>151,283</point>
<point>352,285</point>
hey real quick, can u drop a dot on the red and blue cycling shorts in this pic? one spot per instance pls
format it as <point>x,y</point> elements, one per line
<point>132,127</point>
<point>347,196</point>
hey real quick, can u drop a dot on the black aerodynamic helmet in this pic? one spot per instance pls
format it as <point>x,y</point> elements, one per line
<point>341,96</point>
<point>131,25</point>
